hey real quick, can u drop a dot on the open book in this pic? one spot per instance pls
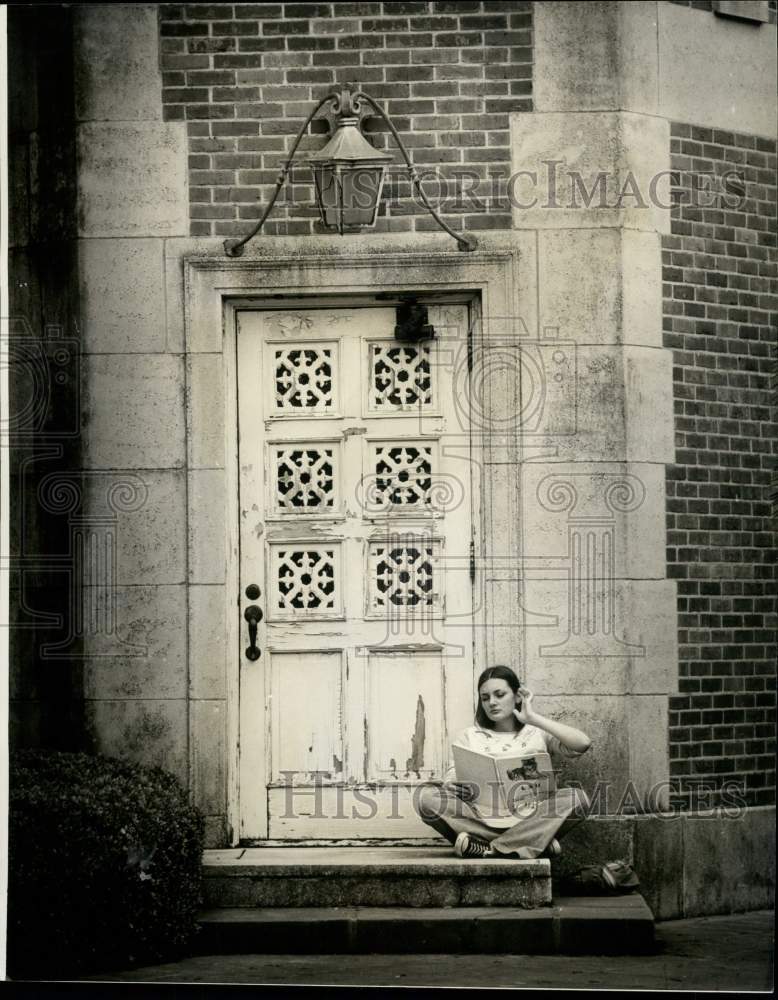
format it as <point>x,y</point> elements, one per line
<point>505,784</point>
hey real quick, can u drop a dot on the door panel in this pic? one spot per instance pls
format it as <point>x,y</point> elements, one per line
<point>356,521</point>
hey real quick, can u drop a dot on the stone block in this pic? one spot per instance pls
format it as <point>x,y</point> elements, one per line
<point>116,55</point>
<point>641,288</point>
<point>148,732</point>
<point>207,539</point>
<point>133,411</point>
<point>207,629</point>
<point>596,403</point>
<point>648,385</point>
<point>697,85</point>
<point>210,337</point>
<point>598,56</point>
<point>122,296</point>
<point>593,842</point>
<point>144,653</point>
<point>244,931</point>
<point>205,411</point>
<point>208,742</point>
<point>609,637</point>
<point>115,197</point>
<point>601,286</point>
<point>583,170</point>
<point>384,890</point>
<point>609,927</point>
<point>647,718</point>
<point>620,771</point>
<point>150,536</point>
<point>216,831</point>
<point>658,861</point>
<point>729,861</point>
<point>627,501</point>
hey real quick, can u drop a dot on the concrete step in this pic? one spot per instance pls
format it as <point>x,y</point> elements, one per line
<point>370,876</point>
<point>574,926</point>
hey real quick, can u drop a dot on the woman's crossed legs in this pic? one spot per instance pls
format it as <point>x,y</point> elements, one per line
<point>443,810</point>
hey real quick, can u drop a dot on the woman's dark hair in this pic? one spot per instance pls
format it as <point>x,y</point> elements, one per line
<point>498,672</point>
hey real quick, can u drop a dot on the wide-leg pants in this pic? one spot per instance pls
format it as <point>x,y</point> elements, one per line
<point>445,811</point>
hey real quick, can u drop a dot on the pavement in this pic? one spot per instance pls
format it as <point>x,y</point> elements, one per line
<point>721,953</point>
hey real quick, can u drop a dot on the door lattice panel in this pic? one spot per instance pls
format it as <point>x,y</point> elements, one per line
<point>303,377</point>
<point>400,377</point>
<point>305,478</point>
<point>403,575</point>
<point>403,476</point>
<point>305,580</point>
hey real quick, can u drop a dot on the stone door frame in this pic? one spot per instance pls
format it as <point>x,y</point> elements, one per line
<point>213,289</point>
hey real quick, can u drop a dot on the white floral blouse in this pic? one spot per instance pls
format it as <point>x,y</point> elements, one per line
<point>529,740</point>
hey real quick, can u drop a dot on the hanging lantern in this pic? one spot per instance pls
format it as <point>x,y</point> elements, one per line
<point>348,175</point>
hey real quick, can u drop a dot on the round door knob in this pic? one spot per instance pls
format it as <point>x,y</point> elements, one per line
<point>253,591</point>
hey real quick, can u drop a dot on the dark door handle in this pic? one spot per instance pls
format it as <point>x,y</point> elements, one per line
<point>253,616</point>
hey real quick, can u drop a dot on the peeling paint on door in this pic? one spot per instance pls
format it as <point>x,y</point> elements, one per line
<point>415,762</point>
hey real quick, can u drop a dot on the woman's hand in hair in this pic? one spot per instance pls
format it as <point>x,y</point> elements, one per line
<point>525,711</point>
<point>568,736</point>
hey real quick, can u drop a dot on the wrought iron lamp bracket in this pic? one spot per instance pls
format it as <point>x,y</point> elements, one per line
<point>346,103</point>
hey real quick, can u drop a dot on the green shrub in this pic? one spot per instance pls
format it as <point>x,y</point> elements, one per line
<point>104,865</point>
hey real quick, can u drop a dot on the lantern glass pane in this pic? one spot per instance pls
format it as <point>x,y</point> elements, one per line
<point>361,191</point>
<point>326,194</point>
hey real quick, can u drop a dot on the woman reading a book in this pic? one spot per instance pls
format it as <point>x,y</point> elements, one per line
<point>507,725</point>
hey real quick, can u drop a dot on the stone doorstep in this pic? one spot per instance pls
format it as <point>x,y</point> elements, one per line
<point>595,926</point>
<point>367,876</point>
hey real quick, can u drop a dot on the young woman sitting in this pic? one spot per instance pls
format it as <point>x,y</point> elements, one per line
<point>507,726</point>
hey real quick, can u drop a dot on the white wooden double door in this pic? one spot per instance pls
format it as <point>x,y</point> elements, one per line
<point>356,525</point>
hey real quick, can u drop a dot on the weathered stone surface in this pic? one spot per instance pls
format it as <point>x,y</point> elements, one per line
<point>601,286</point>
<point>207,630</point>
<point>568,926</point>
<point>627,500</point>
<point>649,756</point>
<point>122,296</point>
<point>597,56</point>
<point>626,755</point>
<point>592,403</point>
<point>145,654</point>
<point>208,724</point>
<point>116,73</point>
<point>277,265</point>
<point>697,85</point>
<point>379,877</point>
<point>205,411</point>
<point>133,411</point>
<point>729,861</point>
<point>207,544</point>
<point>216,831</point>
<point>115,197</point>
<point>149,732</point>
<point>175,252</point>
<point>150,538</point>
<point>648,394</point>
<point>632,652</point>
<point>593,842</point>
<point>615,163</point>
<point>658,860</point>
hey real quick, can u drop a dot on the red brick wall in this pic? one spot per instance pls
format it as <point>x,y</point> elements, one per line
<point>719,268</point>
<point>244,77</point>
